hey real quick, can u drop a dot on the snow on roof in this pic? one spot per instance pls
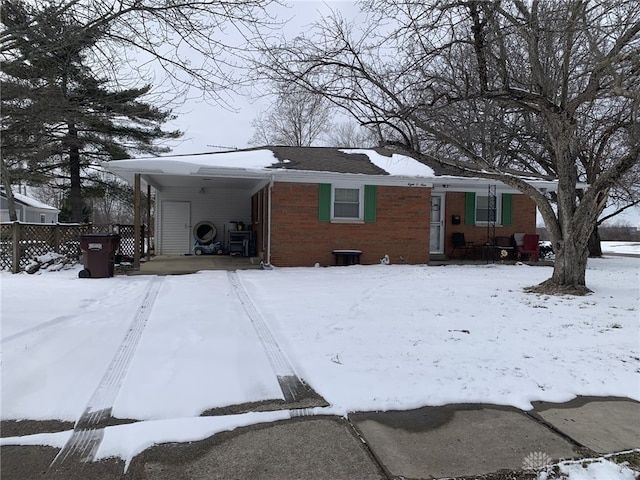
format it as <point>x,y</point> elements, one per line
<point>267,159</point>
<point>397,164</point>
<point>191,164</point>
<point>31,202</point>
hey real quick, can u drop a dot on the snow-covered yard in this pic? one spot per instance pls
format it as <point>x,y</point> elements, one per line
<point>364,337</point>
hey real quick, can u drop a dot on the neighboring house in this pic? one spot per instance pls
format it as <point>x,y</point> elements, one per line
<point>28,210</point>
<point>301,203</point>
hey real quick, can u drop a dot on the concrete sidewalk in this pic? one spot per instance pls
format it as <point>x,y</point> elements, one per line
<point>451,441</point>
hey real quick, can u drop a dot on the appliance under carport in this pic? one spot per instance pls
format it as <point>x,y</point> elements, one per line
<point>205,233</point>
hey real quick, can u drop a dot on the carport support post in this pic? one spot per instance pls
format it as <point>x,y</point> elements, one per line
<point>137,238</point>
<point>148,241</point>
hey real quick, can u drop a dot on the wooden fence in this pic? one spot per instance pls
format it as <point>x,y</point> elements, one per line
<point>20,243</point>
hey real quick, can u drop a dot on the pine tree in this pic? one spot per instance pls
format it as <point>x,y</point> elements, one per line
<point>60,117</point>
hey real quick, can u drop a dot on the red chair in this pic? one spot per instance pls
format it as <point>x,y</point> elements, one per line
<point>530,246</point>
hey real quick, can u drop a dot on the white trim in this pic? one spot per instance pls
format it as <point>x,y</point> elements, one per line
<point>360,218</point>
<point>472,184</point>
<point>353,179</point>
<point>442,222</point>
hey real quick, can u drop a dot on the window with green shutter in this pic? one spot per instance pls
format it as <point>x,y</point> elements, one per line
<point>470,208</point>
<point>507,209</point>
<point>324,202</point>
<point>336,202</point>
<point>478,209</point>
<point>370,203</point>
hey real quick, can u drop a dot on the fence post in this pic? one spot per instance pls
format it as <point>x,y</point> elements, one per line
<point>15,257</point>
<point>56,238</point>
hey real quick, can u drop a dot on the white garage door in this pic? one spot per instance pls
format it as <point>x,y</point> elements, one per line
<point>176,228</point>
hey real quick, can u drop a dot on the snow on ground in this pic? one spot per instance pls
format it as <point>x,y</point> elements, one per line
<point>621,247</point>
<point>364,337</point>
<point>400,337</point>
<point>598,469</point>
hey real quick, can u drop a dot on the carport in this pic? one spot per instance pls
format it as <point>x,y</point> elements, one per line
<point>193,189</point>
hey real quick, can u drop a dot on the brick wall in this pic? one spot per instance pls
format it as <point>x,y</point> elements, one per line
<point>298,238</point>
<point>523,220</point>
<point>401,228</point>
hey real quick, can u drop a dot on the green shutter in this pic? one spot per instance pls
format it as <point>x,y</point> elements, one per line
<point>324,202</point>
<point>370,199</point>
<point>469,208</point>
<point>507,209</point>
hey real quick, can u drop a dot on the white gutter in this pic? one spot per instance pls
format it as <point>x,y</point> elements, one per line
<point>301,176</point>
<point>466,184</point>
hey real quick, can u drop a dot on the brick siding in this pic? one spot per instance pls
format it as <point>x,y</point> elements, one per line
<point>523,220</point>
<point>298,238</point>
<point>401,229</point>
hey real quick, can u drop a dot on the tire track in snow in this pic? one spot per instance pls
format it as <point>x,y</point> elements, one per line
<point>293,388</point>
<point>88,434</point>
<point>39,327</point>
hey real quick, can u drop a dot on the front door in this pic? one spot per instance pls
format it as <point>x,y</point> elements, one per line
<point>176,228</point>
<point>436,244</point>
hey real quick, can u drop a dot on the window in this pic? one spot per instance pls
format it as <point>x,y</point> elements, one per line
<point>346,203</point>
<point>43,218</point>
<point>479,211</point>
<point>486,208</point>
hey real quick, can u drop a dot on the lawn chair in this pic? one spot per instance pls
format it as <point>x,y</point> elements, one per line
<point>459,243</point>
<point>518,240</point>
<point>530,247</point>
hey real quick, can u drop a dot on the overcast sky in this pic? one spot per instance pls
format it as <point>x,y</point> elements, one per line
<point>208,127</point>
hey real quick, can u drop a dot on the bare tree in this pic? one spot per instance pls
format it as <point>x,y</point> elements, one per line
<point>350,134</point>
<point>489,88</point>
<point>297,118</point>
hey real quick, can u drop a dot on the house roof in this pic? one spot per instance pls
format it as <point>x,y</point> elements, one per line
<point>355,161</point>
<point>247,168</point>
<point>30,202</point>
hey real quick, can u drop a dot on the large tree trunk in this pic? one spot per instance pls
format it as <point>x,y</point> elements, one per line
<point>75,193</point>
<point>569,270</point>
<point>595,246</point>
<point>11,204</point>
<point>574,224</point>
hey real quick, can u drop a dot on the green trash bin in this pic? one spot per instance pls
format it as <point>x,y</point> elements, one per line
<point>98,254</point>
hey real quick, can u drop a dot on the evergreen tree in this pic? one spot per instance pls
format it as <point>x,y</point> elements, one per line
<point>60,117</point>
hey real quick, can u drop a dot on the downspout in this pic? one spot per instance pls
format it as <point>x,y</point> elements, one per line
<point>269,222</point>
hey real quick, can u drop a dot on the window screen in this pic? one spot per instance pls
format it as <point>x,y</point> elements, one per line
<point>346,203</point>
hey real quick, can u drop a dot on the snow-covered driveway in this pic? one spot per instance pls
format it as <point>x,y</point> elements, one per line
<point>197,351</point>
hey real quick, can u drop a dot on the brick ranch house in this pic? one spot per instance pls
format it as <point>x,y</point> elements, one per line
<point>296,205</point>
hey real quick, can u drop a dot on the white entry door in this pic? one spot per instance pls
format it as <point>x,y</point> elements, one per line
<point>176,228</point>
<point>436,244</point>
